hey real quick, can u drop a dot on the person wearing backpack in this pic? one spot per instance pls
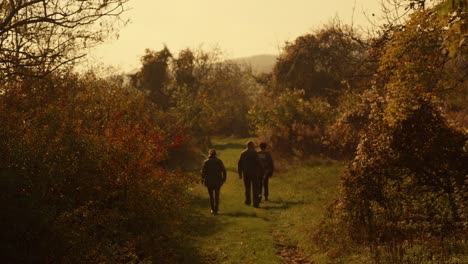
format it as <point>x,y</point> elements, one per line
<point>213,177</point>
<point>267,169</point>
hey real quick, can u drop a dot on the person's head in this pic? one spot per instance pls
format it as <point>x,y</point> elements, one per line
<point>250,145</point>
<point>212,153</point>
<point>263,145</point>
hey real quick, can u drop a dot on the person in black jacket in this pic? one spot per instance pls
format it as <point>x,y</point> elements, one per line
<point>213,176</point>
<point>267,169</point>
<point>249,168</point>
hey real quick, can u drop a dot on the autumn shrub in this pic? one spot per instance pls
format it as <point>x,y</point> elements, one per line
<point>405,180</point>
<point>342,137</point>
<point>293,125</point>
<point>82,172</point>
<point>460,118</point>
<point>404,194</point>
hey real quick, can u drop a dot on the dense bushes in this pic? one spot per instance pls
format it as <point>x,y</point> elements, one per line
<point>343,135</point>
<point>291,123</point>
<point>406,182</point>
<point>82,173</point>
<point>404,194</point>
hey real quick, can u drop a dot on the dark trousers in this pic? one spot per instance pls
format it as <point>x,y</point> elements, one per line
<point>213,191</point>
<point>252,187</point>
<point>266,179</point>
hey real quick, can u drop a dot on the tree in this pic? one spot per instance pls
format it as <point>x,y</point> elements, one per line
<point>184,68</point>
<point>319,63</point>
<point>38,36</point>
<point>153,77</point>
<point>210,94</point>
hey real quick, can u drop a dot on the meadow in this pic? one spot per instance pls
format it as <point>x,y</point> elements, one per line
<point>277,232</point>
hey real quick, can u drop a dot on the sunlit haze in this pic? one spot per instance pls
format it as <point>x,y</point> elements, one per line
<point>239,28</point>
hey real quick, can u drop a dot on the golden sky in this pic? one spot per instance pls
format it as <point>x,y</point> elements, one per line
<point>238,27</point>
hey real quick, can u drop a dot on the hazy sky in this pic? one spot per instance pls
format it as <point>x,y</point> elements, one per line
<point>238,27</point>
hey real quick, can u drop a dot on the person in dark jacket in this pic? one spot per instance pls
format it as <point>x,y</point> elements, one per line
<point>249,168</point>
<point>213,176</point>
<point>267,169</point>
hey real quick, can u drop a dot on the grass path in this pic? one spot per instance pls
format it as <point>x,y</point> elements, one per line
<point>277,232</point>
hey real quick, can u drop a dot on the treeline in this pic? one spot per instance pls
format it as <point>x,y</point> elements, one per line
<point>315,85</point>
<point>395,105</point>
<point>93,168</point>
<point>207,94</point>
<point>94,165</point>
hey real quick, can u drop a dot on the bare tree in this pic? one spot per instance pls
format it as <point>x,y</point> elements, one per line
<point>39,36</point>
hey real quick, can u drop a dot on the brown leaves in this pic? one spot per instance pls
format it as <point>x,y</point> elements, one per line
<point>288,252</point>
<point>90,156</point>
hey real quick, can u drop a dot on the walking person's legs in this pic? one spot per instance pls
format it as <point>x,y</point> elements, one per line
<point>265,187</point>
<point>247,184</point>
<point>256,191</point>
<point>212,198</point>
<point>216,192</point>
<point>260,189</point>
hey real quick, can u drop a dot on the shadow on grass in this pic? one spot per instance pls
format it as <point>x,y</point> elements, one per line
<point>229,146</point>
<point>279,205</point>
<point>197,223</point>
<point>240,214</point>
<point>200,221</point>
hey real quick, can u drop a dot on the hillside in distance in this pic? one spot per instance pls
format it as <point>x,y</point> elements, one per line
<point>259,63</point>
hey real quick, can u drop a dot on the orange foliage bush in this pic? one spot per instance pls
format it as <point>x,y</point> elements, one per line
<point>83,176</point>
<point>405,191</point>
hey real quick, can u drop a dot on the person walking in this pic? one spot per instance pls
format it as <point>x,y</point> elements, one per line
<point>249,168</point>
<point>267,169</point>
<point>213,177</point>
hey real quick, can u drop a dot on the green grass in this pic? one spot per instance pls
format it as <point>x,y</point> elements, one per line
<point>299,196</point>
<point>281,230</point>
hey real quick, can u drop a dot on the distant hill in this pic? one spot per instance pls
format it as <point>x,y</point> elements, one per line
<point>259,63</point>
